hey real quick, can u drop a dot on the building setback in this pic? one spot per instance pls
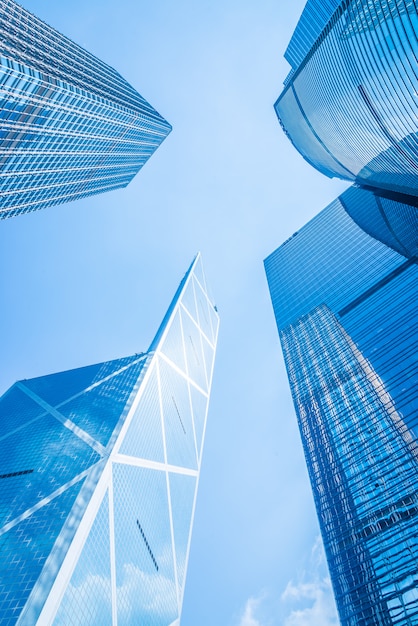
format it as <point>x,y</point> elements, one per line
<point>346,308</point>
<point>70,125</point>
<point>385,217</point>
<point>349,104</point>
<point>99,472</point>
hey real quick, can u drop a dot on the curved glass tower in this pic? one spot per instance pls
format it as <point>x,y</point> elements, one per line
<point>385,217</point>
<point>99,468</point>
<point>350,103</point>
<point>70,125</point>
<point>346,308</point>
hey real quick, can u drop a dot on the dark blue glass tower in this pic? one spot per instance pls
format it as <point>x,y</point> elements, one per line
<point>383,216</point>
<point>70,125</point>
<point>346,307</point>
<point>99,469</point>
<point>350,104</point>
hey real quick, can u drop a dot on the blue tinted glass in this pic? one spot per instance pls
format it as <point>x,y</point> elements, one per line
<point>144,557</point>
<point>87,599</point>
<point>17,410</point>
<point>346,309</point>
<point>193,348</point>
<point>208,355</point>
<point>144,438</point>
<point>349,105</point>
<point>178,423</point>
<point>120,547</point>
<point>75,127</point>
<point>182,493</point>
<point>36,461</point>
<point>57,388</point>
<point>384,217</point>
<point>173,345</point>
<point>200,406</point>
<point>188,300</point>
<point>345,263</point>
<point>203,312</point>
<point>25,548</point>
<point>363,464</point>
<point>98,409</point>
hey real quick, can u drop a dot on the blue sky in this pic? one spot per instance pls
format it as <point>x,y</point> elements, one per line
<point>90,281</point>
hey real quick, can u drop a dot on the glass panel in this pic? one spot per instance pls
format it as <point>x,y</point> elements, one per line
<point>88,597</point>
<point>194,356</point>
<point>144,557</point>
<point>209,356</point>
<point>354,377</point>
<point>16,410</point>
<point>178,423</point>
<point>199,404</point>
<point>349,108</point>
<point>144,437</point>
<point>199,273</point>
<point>182,492</point>
<point>357,263</point>
<point>366,491</point>
<point>203,311</point>
<point>24,550</point>
<point>56,388</point>
<point>36,461</point>
<point>173,344</point>
<point>98,410</point>
<point>385,326</point>
<point>214,318</point>
<point>50,86</point>
<point>188,300</point>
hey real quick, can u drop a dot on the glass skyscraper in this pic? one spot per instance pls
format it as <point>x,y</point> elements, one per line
<point>346,307</point>
<point>98,478</point>
<point>349,104</point>
<point>384,217</point>
<point>70,125</point>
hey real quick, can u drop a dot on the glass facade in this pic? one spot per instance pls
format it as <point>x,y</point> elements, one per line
<point>349,104</point>
<point>70,125</point>
<point>384,217</point>
<point>346,308</point>
<point>98,479</point>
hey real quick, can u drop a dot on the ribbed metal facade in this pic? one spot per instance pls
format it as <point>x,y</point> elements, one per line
<point>350,103</point>
<point>70,125</point>
<point>346,308</point>
<point>314,18</point>
<point>99,472</point>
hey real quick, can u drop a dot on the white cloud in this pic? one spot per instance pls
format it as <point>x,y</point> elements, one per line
<point>312,595</point>
<point>141,597</point>
<point>308,601</point>
<point>321,611</point>
<point>248,617</point>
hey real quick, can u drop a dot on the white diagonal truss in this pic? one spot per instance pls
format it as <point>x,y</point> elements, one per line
<point>131,569</point>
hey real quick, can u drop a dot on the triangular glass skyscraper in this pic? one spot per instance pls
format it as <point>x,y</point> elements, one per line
<point>98,478</point>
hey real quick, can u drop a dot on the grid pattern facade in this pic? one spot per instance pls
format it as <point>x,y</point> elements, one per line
<point>70,125</point>
<point>346,307</point>
<point>349,105</point>
<point>100,468</point>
